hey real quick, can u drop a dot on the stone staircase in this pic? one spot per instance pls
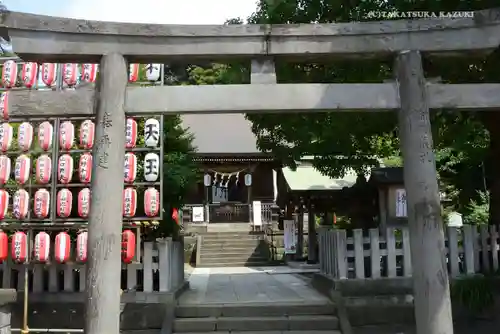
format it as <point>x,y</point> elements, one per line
<point>233,249</point>
<point>262,318</point>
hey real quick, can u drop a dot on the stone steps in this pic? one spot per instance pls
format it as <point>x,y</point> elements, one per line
<point>257,317</point>
<point>230,242</point>
<point>232,249</point>
<point>234,264</point>
<point>254,309</point>
<point>235,259</point>
<point>215,253</point>
<point>222,258</point>
<point>273,332</point>
<point>276,323</point>
<point>231,236</point>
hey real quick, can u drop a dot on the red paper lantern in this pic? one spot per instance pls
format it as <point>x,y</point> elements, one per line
<point>151,202</point>
<point>70,73</point>
<point>9,74</point>
<point>43,169</point>
<point>81,247</point>
<point>175,216</point>
<point>64,203</point>
<point>130,167</point>
<point>45,133</point>
<point>4,203</point>
<point>29,74</point>
<point>25,136</point>
<point>84,203</point>
<point>129,202</point>
<point>6,135</point>
<point>85,168</point>
<point>87,132</point>
<point>65,168</point>
<point>41,250</point>
<point>20,204</point>
<point>130,133</point>
<point>63,247</point>
<point>49,74</point>
<point>4,246</point>
<point>22,169</point>
<point>128,246</point>
<point>4,105</point>
<point>19,247</point>
<point>41,205</point>
<point>89,72</point>
<point>66,135</point>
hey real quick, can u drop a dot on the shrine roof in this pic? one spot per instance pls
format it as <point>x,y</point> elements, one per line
<point>387,175</point>
<point>308,178</point>
<point>221,133</point>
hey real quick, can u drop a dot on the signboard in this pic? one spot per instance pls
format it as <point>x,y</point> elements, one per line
<point>198,214</point>
<point>401,206</point>
<point>290,236</point>
<point>257,213</point>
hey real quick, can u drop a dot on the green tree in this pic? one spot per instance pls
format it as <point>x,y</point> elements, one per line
<point>180,171</point>
<point>465,142</point>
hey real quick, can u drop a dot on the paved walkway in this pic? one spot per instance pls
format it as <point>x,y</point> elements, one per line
<point>479,327</point>
<point>247,285</point>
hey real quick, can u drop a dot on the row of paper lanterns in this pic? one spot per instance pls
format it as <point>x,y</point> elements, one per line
<point>67,135</point>
<point>65,168</point>
<point>62,247</point>
<point>64,203</point>
<point>71,73</point>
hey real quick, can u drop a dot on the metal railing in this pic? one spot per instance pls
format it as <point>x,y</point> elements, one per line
<point>229,213</point>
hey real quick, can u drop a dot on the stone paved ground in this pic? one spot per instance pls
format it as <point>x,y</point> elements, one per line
<point>479,327</point>
<point>240,285</point>
<point>282,284</point>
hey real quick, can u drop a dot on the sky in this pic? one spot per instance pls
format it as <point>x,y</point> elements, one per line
<point>140,11</point>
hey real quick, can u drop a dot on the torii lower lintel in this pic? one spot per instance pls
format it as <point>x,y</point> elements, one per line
<point>261,98</point>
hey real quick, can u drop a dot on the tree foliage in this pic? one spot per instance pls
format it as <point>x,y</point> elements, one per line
<point>467,144</point>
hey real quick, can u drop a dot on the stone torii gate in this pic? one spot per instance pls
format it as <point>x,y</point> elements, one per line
<point>113,45</point>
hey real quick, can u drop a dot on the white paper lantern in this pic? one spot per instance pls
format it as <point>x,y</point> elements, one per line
<point>151,167</point>
<point>151,132</point>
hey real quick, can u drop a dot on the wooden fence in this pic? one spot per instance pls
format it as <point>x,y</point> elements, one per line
<point>373,254</point>
<point>159,269</point>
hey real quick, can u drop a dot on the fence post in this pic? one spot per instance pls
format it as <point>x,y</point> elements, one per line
<point>390,246</point>
<point>453,251</point>
<point>340,254</point>
<point>165,264</point>
<point>329,251</point>
<point>485,247</point>
<point>177,261</point>
<point>407,269</point>
<point>468,244</point>
<point>181,261</point>
<point>494,246</point>
<point>359,253</point>
<point>375,252</point>
<point>475,245</point>
<point>105,223</point>
<point>321,246</point>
